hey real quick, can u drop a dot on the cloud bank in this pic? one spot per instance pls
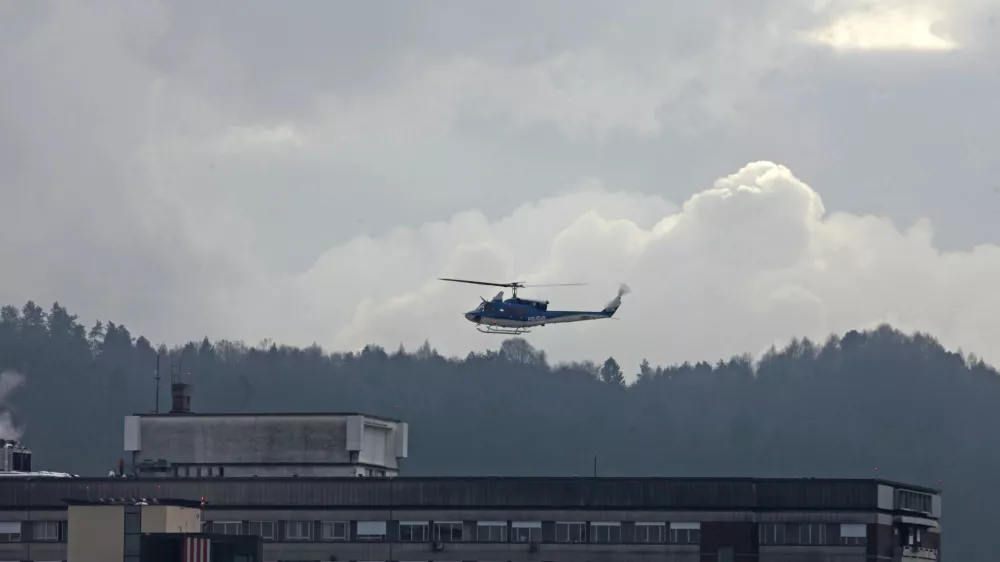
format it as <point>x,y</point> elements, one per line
<point>754,260</point>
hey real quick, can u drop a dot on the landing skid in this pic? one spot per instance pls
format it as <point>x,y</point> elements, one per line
<point>505,331</point>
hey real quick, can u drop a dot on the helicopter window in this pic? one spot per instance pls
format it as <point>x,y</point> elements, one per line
<point>481,307</point>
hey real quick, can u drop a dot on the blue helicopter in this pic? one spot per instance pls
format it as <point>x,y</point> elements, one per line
<point>515,315</point>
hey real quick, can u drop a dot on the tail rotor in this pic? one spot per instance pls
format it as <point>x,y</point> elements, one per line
<point>612,306</point>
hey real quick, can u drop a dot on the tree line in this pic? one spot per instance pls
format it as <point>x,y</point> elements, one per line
<point>863,404</point>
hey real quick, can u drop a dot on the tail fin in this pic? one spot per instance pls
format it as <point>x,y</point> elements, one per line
<point>612,306</point>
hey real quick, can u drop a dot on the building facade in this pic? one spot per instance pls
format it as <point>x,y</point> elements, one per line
<point>517,519</point>
<point>182,444</point>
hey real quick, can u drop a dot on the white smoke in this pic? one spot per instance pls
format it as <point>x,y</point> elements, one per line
<point>9,380</point>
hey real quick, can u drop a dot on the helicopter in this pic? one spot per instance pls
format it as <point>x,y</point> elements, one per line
<point>515,315</point>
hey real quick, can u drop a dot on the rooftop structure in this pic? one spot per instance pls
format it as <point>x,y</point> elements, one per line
<point>15,462</point>
<point>182,444</point>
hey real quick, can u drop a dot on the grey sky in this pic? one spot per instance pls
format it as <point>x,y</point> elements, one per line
<point>203,167</point>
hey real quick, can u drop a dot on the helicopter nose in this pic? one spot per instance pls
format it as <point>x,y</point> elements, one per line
<point>471,317</point>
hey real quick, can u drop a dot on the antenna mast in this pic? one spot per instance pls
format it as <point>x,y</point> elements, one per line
<point>156,410</point>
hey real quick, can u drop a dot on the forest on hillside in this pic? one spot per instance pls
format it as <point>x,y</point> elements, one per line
<point>876,403</point>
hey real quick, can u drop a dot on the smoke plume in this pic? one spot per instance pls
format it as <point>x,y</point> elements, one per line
<point>9,381</point>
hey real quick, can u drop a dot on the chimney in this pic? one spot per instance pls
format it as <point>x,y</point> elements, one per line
<point>180,394</point>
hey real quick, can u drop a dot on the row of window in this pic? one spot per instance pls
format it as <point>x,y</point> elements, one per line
<point>565,532</point>
<point>493,532</point>
<point>456,531</point>
<point>42,531</point>
<point>914,501</point>
<point>812,534</point>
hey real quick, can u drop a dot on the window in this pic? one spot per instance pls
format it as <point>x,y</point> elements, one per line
<point>10,531</point>
<point>812,533</point>
<point>371,531</point>
<point>570,532</point>
<point>654,533</point>
<point>448,531</point>
<point>795,533</point>
<point>46,530</point>
<point>334,530</point>
<point>914,501</point>
<point>685,533</point>
<point>492,531</point>
<point>853,534</point>
<point>413,531</point>
<point>526,531</point>
<point>606,533</point>
<point>298,530</point>
<point>133,523</point>
<point>264,529</point>
<point>227,527</point>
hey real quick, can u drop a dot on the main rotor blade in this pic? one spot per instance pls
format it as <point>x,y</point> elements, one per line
<point>513,285</point>
<point>478,282</point>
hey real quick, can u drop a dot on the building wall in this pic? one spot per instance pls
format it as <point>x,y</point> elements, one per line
<point>266,445</point>
<point>170,519</point>
<point>183,520</point>
<point>95,534</point>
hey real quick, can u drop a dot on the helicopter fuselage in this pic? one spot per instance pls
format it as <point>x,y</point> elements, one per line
<point>522,313</point>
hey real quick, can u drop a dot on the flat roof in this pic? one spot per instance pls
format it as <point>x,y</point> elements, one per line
<point>173,502</point>
<point>264,415</point>
<point>603,493</point>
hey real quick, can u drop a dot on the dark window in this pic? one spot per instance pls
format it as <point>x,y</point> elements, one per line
<point>650,532</point>
<point>492,532</point>
<point>448,532</point>
<point>606,534</point>
<point>263,529</point>
<point>809,534</point>
<point>685,536</point>
<point>526,534</point>
<point>334,530</point>
<point>45,531</point>
<point>131,544</point>
<point>298,530</point>
<point>570,532</point>
<point>227,527</point>
<point>413,532</point>
<point>133,523</point>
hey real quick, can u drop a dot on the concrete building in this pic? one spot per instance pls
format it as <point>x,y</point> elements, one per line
<point>182,444</point>
<point>517,519</point>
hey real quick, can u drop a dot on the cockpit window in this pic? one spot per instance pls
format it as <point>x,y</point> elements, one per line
<point>481,307</point>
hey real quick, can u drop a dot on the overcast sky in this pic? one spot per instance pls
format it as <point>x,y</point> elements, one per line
<point>753,169</point>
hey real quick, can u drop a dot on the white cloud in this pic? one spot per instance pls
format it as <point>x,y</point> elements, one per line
<point>753,260</point>
<point>907,28</point>
<point>238,140</point>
